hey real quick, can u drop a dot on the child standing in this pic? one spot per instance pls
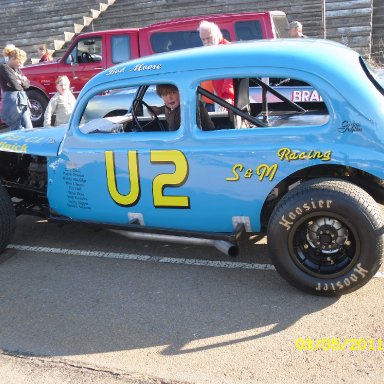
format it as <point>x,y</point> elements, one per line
<point>61,105</point>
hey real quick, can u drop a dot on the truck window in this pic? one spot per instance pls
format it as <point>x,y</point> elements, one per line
<point>121,50</point>
<point>172,41</point>
<point>86,51</point>
<point>281,26</point>
<point>248,30</point>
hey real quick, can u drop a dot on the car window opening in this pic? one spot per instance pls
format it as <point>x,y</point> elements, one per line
<point>258,102</point>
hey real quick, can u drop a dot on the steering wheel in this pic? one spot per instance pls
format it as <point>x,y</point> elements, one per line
<point>87,57</point>
<point>141,125</point>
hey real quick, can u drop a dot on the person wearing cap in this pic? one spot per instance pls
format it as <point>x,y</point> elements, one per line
<point>295,29</point>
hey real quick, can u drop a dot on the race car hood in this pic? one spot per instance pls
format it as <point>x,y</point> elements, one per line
<point>35,141</point>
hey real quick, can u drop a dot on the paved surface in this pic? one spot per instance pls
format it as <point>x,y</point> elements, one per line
<point>72,318</point>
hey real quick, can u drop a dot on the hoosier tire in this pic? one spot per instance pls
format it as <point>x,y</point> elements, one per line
<point>7,219</point>
<point>326,237</point>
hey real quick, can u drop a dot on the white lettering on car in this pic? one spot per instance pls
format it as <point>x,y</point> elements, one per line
<point>143,67</point>
<point>306,96</point>
<point>115,71</point>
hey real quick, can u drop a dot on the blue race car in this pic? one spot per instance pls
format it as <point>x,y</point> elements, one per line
<point>310,176</point>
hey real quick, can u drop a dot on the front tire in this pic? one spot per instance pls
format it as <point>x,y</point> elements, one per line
<point>326,237</point>
<point>7,219</point>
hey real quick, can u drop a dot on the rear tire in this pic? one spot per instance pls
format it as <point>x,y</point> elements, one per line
<point>7,219</point>
<point>326,237</point>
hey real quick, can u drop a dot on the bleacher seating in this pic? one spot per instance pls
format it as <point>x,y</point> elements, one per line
<point>28,23</point>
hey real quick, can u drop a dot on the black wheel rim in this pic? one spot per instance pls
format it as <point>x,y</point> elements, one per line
<point>324,245</point>
<point>36,110</point>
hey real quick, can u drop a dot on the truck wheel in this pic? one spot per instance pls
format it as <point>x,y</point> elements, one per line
<point>39,104</point>
<point>7,219</point>
<point>326,237</point>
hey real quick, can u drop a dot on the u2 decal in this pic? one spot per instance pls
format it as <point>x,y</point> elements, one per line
<point>159,184</point>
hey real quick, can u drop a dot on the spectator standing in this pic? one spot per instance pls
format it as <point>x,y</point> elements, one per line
<point>7,49</point>
<point>44,53</point>
<point>210,34</point>
<point>295,29</point>
<point>61,104</point>
<point>15,109</point>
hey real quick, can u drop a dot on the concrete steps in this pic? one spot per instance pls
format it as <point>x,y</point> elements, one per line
<point>142,13</point>
<point>53,22</point>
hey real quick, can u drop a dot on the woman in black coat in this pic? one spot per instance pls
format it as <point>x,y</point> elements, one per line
<point>15,104</point>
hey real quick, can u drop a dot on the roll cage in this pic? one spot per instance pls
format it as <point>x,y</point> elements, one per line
<point>242,103</point>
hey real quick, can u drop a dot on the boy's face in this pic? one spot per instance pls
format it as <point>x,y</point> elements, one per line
<point>171,98</point>
<point>62,87</point>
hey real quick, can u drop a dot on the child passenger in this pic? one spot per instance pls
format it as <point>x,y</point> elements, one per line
<point>61,105</point>
<point>171,108</point>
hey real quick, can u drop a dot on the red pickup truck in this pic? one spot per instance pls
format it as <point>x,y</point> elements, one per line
<point>91,53</point>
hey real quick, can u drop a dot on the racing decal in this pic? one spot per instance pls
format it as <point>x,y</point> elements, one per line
<point>262,171</point>
<point>268,171</point>
<point>176,179</point>
<point>143,67</point>
<point>16,142</point>
<point>306,96</point>
<point>289,155</point>
<point>348,126</point>
<point>25,138</point>
<point>13,147</point>
<point>159,183</point>
<point>115,71</point>
<point>133,170</point>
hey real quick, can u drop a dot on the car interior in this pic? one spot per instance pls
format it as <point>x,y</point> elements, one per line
<point>272,109</point>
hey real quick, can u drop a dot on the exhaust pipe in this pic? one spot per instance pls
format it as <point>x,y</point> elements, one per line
<point>228,248</point>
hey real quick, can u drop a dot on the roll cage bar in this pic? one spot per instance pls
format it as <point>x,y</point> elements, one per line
<point>234,109</point>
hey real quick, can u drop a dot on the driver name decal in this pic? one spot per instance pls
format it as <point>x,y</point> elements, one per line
<point>115,71</point>
<point>143,67</point>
